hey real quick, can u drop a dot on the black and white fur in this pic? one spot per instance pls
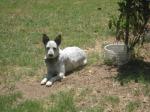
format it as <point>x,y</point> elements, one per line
<point>59,61</point>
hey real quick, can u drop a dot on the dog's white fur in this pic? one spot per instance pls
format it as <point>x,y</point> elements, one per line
<point>59,61</point>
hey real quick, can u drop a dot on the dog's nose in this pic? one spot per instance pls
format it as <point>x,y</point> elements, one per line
<point>50,55</point>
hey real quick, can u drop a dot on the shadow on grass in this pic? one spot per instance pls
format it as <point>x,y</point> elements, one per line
<point>136,70</point>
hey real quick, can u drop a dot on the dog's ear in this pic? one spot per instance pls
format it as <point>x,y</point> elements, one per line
<point>58,39</point>
<point>45,39</point>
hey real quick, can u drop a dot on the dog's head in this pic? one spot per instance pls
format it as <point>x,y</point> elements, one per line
<point>51,46</point>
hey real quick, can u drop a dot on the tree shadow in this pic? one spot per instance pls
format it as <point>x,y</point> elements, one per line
<point>136,70</point>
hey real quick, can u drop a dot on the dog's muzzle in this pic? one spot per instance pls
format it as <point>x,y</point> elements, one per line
<point>50,56</point>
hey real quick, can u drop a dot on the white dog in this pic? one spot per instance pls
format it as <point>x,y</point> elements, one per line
<point>59,61</point>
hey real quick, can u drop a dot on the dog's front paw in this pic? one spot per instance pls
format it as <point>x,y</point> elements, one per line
<point>62,75</point>
<point>44,81</point>
<point>49,83</point>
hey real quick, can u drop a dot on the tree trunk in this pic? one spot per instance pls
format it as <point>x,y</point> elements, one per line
<point>127,23</point>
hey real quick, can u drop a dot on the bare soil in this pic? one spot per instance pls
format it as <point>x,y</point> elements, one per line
<point>97,80</point>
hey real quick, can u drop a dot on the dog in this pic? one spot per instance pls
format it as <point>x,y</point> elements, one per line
<point>58,61</point>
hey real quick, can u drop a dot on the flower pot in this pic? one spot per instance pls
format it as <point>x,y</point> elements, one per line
<point>116,54</point>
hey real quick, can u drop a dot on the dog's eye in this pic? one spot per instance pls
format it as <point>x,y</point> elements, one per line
<point>54,48</point>
<point>47,48</point>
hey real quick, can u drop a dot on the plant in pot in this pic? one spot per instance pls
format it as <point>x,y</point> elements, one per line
<point>129,26</point>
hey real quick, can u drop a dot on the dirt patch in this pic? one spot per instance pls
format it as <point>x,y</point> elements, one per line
<point>98,80</point>
<point>98,77</point>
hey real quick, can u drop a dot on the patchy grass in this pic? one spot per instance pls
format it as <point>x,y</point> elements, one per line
<point>63,102</point>
<point>113,100</point>
<point>132,106</point>
<point>11,103</point>
<point>6,101</point>
<point>95,109</point>
<point>29,106</point>
<point>93,57</point>
<point>146,90</point>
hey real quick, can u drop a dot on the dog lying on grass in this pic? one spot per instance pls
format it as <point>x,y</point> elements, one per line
<point>59,61</point>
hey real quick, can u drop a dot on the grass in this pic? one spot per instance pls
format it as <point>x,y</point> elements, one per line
<point>29,106</point>
<point>11,103</point>
<point>113,100</point>
<point>93,58</point>
<point>146,90</point>
<point>132,106</point>
<point>7,101</point>
<point>95,109</point>
<point>61,102</point>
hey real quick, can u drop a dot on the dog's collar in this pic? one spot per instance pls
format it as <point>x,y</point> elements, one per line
<point>51,59</point>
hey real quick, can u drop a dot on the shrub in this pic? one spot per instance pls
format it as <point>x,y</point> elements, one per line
<point>131,21</point>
